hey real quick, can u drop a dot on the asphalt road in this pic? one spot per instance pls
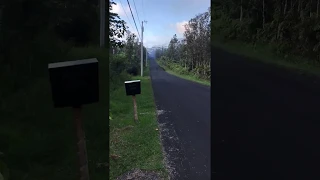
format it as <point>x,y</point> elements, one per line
<point>265,121</point>
<point>184,118</point>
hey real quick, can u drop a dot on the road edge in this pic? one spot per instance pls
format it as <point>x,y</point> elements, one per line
<point>185,77</point>
<point>169,142</point>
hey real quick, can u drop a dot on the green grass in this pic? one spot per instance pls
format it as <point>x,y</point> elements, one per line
<point>134,145</point>
<point>186,76</point>
<point>264,53</point>
<point>39,142</point>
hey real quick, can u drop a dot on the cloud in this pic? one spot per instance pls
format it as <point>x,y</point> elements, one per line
<point>119,10</point>
<point>116,9</point>
<point>124,12</point>
<point>152,40</point>
<point>180,27</point>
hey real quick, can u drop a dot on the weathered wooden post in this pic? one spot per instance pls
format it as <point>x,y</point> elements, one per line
<point>132,89</point>
<point>73,84</point>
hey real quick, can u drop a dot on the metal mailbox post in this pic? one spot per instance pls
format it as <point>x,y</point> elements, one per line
<point>132,89</point>
<point>73,84</point>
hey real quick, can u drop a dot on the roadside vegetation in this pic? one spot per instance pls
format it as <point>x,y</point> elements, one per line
<point>190,57</point>
<point>283,32</point>
<point>133,146</point>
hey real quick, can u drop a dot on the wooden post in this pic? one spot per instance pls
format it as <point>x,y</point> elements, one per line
<point>81,143</point>
<point>135,108</point>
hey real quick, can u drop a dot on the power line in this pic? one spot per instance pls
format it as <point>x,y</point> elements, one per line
<point>125,13</point>
<point>133,18</point>
<point>136,11</point>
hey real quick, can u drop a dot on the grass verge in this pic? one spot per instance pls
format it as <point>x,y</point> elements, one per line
<point>189,77</point>
<point>39,142</point>
<point>265,54</point>
<point>134,145</point>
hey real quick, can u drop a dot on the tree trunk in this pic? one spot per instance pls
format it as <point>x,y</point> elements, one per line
<point>301,12</point>
<point>310,7</point>
<point>241,11</point>
<point>263,16</point>
<point>191,64</point>
<point>318,8</point>
<point>285,7</point>
<point>1,30</point>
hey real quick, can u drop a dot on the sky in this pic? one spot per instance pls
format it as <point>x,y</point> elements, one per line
<point>164,17</point>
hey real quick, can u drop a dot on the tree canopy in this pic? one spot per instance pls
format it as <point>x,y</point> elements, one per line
<point>290,26</point>
<point>193,51</point>
<point>36,32</point>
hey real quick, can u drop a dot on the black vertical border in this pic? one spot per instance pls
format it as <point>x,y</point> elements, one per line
<point>107,45</point>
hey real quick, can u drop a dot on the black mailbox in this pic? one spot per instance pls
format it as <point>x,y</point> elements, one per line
<point>74,83</point>
<point>133,87</point>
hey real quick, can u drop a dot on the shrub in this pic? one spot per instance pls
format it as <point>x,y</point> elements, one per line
<point>133,71</point>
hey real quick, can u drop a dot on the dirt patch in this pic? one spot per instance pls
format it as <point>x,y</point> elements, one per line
<point>137,174</point>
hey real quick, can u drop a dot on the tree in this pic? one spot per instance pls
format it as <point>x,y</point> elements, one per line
<point>193,52</point>
<point>117,27</point>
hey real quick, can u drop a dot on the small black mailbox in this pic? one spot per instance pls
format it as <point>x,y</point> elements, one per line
<point>74,83</point>
<point>133,87</point>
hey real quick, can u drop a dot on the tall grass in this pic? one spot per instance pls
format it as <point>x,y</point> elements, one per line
<point>134,145</point>
<point>266,53</point>
<point>182,72</point>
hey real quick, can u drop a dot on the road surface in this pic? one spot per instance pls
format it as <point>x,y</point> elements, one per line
<point>184,118</point>
<point>265,121</point>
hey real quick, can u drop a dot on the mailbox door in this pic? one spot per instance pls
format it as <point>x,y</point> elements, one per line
<point>133,88</point>
<point>75,85</point>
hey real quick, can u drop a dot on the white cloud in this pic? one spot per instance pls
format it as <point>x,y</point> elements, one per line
<point>119,10</point>
<point>116,8</point>
<point>124,12</point>
<point>151,39</point>
<point>156,40</point>
<point>180,27</point>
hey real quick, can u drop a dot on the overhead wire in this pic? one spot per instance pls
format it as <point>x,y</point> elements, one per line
<point>133,18</point>
<point>136,11</point>
<point>125,13</point>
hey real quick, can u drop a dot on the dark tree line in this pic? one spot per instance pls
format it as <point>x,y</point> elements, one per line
<point>36,32</point>
<point>290,26</point>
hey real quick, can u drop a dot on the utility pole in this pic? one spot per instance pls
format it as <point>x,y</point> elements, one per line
<point>141,50</point>
<point>146,57</point>
<point>142,29</point>
<point>102,22</point>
